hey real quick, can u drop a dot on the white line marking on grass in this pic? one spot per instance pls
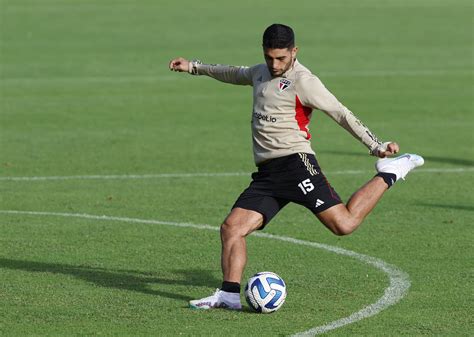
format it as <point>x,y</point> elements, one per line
<point>85,79</point>
<point>129,176</point>
<point>401,72</point>
<point>210,174</point>
<point>397,289</point>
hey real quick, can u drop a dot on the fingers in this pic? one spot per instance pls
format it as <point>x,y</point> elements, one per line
<point>178,64</point>
<point>391,149</point>
<point>174,64</point>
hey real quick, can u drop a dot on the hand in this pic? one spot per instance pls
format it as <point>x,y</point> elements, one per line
<point>388,149</point>
<point>179,64</point>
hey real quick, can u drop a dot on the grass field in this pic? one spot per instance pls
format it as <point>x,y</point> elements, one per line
<point>86,95</point>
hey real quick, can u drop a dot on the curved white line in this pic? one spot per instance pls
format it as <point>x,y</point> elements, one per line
<point>209,174</point>
<point>399,280</point>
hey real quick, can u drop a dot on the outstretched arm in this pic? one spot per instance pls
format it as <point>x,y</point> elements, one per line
<point>315,95</point>
<point>223,73</point>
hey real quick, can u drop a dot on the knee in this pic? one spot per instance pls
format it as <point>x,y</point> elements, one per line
<point>343,228</point>
<point>342,231</point>
<point>340,220</point>
<point>240,226</point>
<point>232,228</point>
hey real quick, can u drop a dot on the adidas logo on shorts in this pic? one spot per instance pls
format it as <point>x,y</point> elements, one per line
<point>319,202</point>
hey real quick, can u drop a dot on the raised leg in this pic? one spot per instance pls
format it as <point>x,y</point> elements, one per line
<point>344,219</point>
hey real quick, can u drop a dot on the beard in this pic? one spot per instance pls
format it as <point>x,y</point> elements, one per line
<point>279,72</point>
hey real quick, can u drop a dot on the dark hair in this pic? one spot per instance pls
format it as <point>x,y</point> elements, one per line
<point>278,36</point>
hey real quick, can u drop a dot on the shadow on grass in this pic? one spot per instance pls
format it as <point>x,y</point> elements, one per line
<point>448,206</point>
<point>429,159</point>
<point>119,279</point>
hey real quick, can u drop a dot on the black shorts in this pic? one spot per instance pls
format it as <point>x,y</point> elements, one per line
<point>296,178</point>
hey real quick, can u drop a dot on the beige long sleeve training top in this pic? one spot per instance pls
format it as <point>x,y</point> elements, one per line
<point>282,108</point>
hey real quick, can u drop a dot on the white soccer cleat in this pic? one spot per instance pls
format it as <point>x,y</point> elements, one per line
<point>220,299</point>
<point>400,166</point>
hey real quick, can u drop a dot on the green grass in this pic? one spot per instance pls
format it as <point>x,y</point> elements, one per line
<point>85,90</point>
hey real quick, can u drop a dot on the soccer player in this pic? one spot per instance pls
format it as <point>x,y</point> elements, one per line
<point>284,95</point>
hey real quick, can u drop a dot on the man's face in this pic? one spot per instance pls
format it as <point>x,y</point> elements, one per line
<point>279,61</point>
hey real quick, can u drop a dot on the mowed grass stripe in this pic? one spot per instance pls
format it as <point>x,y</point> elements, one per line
<point>86,91</point>
<point>160,78</point>
<point>210,174</point>
<point>397,289</point>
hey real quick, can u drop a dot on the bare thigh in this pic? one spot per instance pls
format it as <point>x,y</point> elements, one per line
<point>243,221</point>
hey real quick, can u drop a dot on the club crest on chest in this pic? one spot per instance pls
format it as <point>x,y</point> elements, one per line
<point>284,84</point>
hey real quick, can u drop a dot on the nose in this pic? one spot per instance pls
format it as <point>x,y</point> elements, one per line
<point>274,64</point>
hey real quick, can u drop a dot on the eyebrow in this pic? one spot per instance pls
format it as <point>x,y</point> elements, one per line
<point>278,57</point>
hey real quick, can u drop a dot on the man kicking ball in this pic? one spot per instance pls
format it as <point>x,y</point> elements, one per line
<point>284,95</point>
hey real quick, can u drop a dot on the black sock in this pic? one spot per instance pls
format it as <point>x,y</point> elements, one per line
<point>231,287</point>
<point>389,178</point>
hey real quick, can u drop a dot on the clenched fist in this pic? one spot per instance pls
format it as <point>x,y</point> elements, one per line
<point>179,64</point>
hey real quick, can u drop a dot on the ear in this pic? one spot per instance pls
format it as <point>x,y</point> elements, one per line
<point>294,51</point>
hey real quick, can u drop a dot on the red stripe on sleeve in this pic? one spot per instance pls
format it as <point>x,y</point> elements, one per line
<point>302,117</point>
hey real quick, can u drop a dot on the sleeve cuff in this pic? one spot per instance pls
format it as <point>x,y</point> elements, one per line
<point>193,67</point>
<point>379,147</point>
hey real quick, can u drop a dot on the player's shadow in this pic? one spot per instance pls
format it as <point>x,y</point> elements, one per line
<point>447,160</point>
<point>120,279</point>
<point>448,206</point>
<point>428,159</point>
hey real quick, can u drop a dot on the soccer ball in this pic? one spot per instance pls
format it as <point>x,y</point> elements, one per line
<point>265,292</point>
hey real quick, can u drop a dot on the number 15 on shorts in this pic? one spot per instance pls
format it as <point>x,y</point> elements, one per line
<point>306,186</point>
